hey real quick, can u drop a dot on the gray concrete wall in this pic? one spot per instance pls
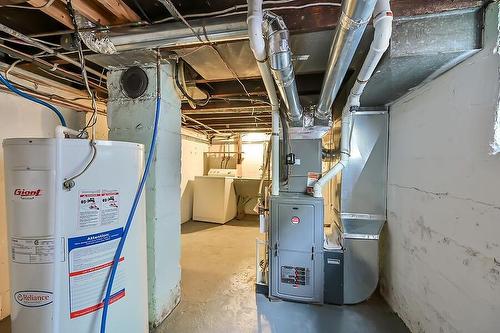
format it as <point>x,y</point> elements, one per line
<point>132,120</point>
<point>441,271</point>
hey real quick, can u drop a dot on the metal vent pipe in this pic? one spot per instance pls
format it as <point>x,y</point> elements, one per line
<point>382,21</point>
<point>352,24</point>
<point>280,60</point>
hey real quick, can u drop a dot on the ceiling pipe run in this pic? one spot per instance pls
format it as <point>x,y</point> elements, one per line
<point>177,34</point>
<point>280,60</point>
<point>352,24</point>
<point>258,46</point>
<point>382,22</point>
<point>47,49</point>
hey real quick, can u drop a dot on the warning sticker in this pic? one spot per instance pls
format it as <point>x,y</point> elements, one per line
<point>109,207</point>
<point>90,205</point>
<point>90,260</point>
<point>32,251</point>
<point>312,178</point>
<point>98,207</point>
<point>296,276</point>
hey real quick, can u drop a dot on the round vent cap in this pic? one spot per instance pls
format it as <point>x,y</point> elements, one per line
<point>134,82</point>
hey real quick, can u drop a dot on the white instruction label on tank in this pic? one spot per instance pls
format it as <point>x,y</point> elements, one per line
<point>90,206</point>
<point>109,208</point>
<point>90,260</point>
<point>32,250</point>
<point>98,207</point>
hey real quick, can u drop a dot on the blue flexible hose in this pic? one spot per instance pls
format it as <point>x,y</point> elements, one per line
<point>137,197</point>
<point>33,99</point>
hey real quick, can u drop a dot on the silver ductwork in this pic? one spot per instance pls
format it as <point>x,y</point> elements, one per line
<point>280,60</point>
<point>352,23</point>
<point>177,34</point>
<point>96,41</point>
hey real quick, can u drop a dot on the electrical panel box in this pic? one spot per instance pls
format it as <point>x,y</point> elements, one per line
<point>296,256</point>
<point>306,164</point>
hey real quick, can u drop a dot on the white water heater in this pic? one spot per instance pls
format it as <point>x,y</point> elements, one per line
<point>62,242</point>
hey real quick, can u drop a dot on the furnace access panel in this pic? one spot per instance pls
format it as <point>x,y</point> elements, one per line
<point>296,257</point>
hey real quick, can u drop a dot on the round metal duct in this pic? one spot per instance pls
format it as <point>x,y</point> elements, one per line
<point>134,82</point>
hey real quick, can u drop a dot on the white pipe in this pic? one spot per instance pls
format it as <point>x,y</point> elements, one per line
<point>255,33</point>
<point>61,132</point>
<point>258,45</point>
<point>382,22</point>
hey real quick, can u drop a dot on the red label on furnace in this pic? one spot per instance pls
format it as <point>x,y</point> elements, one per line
<point>295,220</point>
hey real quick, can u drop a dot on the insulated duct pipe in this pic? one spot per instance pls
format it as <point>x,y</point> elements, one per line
<point>175,34</point>
<point>382,21</point>
<point>45,48</point>
<point>351,26</point>
<point>280,61</point>
<point>258,45</point>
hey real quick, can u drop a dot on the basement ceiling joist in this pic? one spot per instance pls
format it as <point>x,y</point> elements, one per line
<point>311,30</point>
<point>101,12</point>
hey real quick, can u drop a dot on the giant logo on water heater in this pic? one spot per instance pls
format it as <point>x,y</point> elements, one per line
<point>26,194</point>
<point>33,298</point>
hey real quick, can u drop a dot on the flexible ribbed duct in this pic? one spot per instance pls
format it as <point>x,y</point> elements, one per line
<point>280,60</point>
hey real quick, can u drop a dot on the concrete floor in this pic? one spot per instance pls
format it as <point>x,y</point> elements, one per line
<point>218,274</point>
<point>218,270</point>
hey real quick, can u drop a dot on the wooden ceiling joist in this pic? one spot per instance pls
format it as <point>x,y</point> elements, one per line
<point>93,12</point>
<point>101,12</point>
<point>57,11</point>
<point>120,10</point>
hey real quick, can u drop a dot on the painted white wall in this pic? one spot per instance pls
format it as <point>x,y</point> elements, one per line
<point>192,148</point>
<point>441,268</point>
<point>253,158</point>
<point>21,118</point>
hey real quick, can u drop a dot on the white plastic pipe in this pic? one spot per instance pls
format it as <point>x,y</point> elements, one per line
<point>61,132</point>
<point>255,33</point>
<point>258,45</point>
<point>382,22</point>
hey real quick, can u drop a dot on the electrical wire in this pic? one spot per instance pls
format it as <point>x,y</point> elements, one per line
<point>185,93</point>
<point>170,6</point>
<point>93,118</point>
<point>328,4</point>
<point>234,8</point>
<point>70,182</point>
<point>46,5</point>
<point>208,96</point>
<point>33,99</point>
<point>141,10</point>
<point>131,214</point>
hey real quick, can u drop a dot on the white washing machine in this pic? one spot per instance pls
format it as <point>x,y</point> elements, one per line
<point>214,196</point>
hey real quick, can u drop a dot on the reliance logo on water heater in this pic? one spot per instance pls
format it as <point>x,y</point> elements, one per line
<point>25,194</point>
<point>33,298</point>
